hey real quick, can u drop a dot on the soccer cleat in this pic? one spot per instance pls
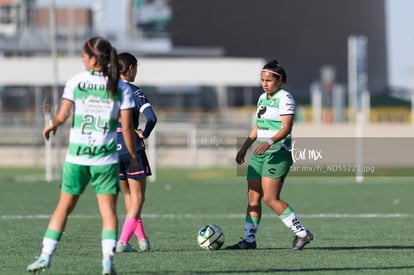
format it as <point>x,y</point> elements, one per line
<point>39,265</point>
<point>108,268</point>
<point>300,242</point>
<point>243,244</point>
<point>121,248</point>
<point>144,245</point>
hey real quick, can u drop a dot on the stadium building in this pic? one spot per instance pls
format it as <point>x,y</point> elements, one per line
<point>301,35</point>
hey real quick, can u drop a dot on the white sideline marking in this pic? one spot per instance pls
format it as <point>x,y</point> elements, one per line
<point>224,216</point>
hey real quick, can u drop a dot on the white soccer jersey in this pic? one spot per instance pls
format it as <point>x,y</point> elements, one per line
<point>268,117</point>
<point>93,137</point>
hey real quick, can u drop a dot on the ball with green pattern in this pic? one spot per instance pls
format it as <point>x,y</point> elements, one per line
<point>210,237</point>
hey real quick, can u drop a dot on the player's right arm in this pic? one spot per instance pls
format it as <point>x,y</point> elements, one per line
<point>128,135</point>
<point>247,143</point>
<point>60,118</point>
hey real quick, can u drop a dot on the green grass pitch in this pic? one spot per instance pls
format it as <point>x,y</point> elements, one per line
<point>359,228</point>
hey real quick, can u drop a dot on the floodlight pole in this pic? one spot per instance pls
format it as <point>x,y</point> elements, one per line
<point>357,85</point>
<point>48,149</point>
<point>53,53</point>
<point>152,152</point>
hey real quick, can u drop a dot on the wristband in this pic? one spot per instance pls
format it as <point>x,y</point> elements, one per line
<point>269,140</point>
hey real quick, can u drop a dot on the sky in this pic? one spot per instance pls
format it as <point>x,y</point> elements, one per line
<point>399,18</point>
<point>400,43</point>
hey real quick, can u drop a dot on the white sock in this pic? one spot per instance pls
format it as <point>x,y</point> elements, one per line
<point>108,249</point>
<point>290,219</point>
<point>49,246</point>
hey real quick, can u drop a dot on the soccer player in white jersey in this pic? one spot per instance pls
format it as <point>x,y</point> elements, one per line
<point>97,98</point>
<point>271,159</point>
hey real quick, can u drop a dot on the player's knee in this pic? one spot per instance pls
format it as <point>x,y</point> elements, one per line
<point>270,200</point>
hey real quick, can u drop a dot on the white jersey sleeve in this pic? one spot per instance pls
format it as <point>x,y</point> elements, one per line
<point>70,86</point>
<point>287,104</point>
<point>127,101</point>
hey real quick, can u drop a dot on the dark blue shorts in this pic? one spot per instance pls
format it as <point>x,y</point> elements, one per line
<point>144,169</point>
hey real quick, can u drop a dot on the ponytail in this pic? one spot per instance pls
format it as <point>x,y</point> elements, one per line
<point>113,72</point>
<point>107,57</point>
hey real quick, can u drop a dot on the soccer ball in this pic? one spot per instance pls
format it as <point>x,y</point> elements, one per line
<point>210,237</point>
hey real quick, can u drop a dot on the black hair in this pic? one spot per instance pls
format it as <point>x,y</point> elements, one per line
<point>275,66</point>
<point>126,60</point>
<point>107,57</point>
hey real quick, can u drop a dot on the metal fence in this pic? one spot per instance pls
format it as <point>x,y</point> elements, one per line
<point>189,139</point>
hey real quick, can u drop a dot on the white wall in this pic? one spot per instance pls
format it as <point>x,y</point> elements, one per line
<point>151,71</point>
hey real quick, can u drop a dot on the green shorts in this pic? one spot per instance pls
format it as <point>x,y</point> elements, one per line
<point>104,178</point>
<point>272,165</point>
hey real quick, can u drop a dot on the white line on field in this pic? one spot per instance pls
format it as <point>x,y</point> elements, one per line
<point>224,216</point>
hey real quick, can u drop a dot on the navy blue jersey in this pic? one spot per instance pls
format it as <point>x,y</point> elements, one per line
<point>142,105</point>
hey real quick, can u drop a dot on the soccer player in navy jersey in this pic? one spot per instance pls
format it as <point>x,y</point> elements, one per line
<point>133,183</point>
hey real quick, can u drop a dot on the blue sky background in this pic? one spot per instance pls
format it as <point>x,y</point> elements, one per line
<point>400,33</point>
<point>400,42</point>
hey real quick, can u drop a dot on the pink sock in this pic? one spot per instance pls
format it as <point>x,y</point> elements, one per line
<point>130,224</point>
<point>139,231</point>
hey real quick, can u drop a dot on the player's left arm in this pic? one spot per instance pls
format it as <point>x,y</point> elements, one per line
<point>145,107</point>
<point>287,124</point>
<point>150,123</point>
<point>287,109</point>
<point>287,115</point>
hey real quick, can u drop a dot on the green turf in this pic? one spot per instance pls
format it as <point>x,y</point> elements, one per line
<point>358,228</point>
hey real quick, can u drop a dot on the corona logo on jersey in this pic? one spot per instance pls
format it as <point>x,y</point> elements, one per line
<point>87,86</point>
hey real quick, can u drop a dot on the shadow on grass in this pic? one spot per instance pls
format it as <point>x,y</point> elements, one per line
<point>287,249</point>
<point>333,248</point>
<point>390,269</point>
<point>381,247</point>
<point>326,269</point>
<point>293,270</point>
